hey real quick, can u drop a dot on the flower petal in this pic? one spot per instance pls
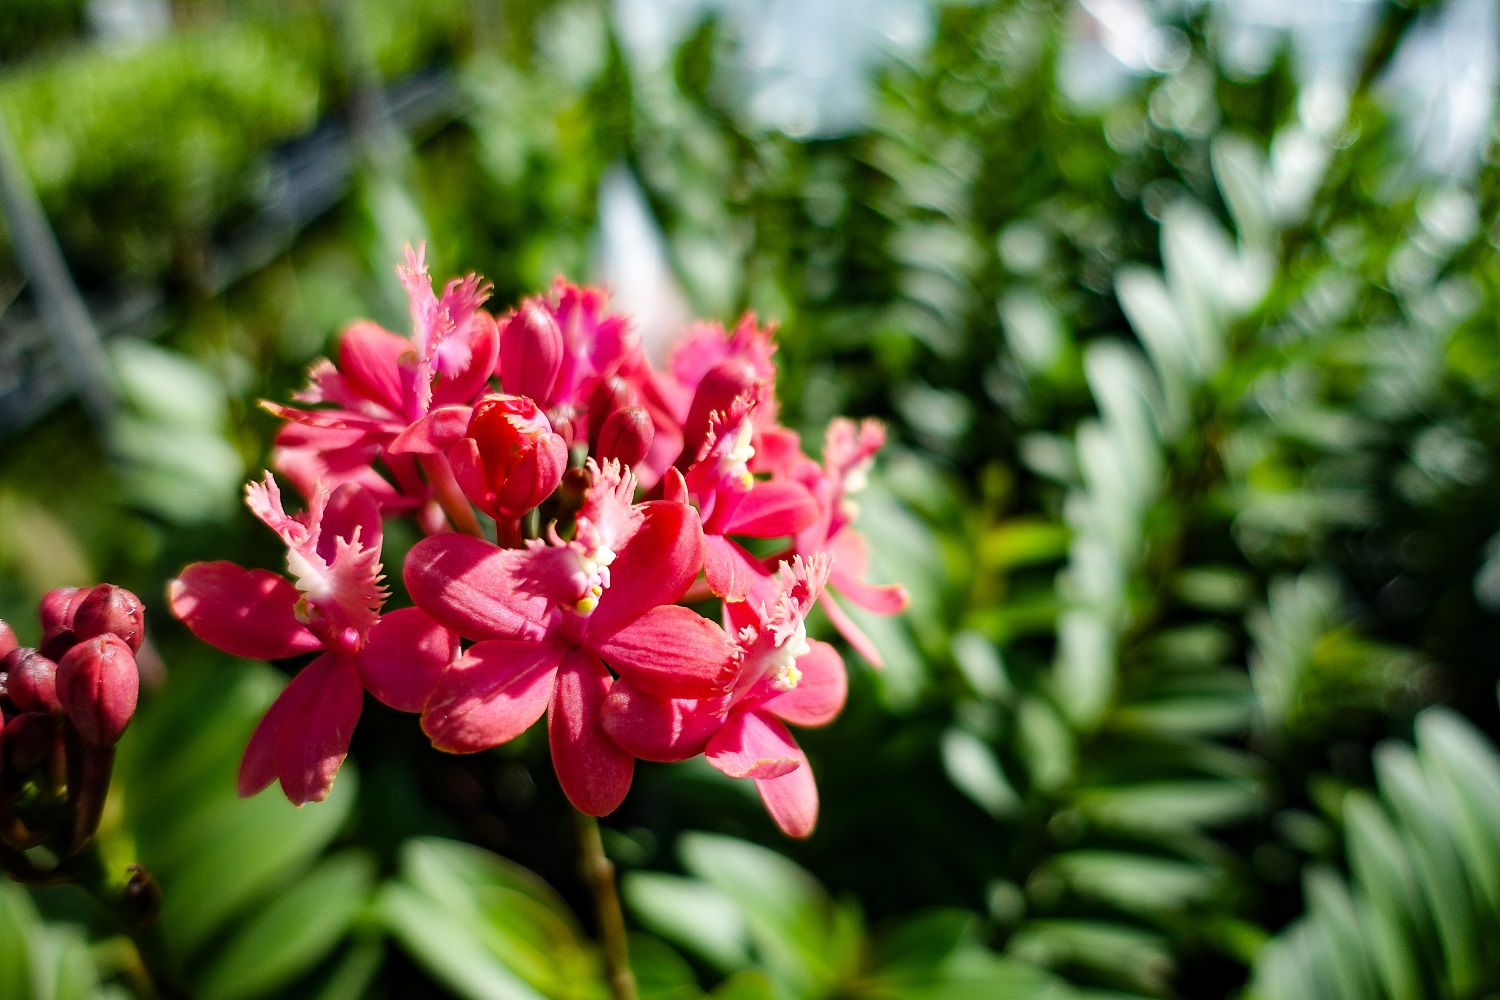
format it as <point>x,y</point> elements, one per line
<point>405,657</point>
<point>369,360</point>
<point>304,737</point>
<point>792,800</point>
<point>656,566</point>
<point>851,632</point>
<point>753,744</point>
<point>850,560</point>
<point>670,651</point>
<point>468,585</point>
<point>773,509</point>
<point>244,612</point>
<point>491,695</point>
<point>440,430</point>
<point>660,729</point>
<point>732,573</point>
<point>594,772</point>
<point>349,508</point>
<point>819,695</point>
<point>484,345</point>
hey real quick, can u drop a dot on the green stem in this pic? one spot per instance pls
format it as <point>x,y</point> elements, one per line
<point>599,873</point>
<point>133,907</point>
<point>449,496</point>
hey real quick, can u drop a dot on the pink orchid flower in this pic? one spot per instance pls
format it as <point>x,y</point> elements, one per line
<point>783,677</point>
<point>383,384</point>
<point>554,619</point>
<point>848,454</point>
<point>332,608</point>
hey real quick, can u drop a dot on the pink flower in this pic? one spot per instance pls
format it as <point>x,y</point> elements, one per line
<point>783,677</point>
<point>553,619</point>
<point>332,607</point>
<point>848,454</point>
<point>382,385</point>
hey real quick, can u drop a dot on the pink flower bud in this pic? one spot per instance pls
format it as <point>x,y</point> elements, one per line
<point>58,606</point>
<point>29,738</point>
<point>8,639</point>
<point>31,681</point>
<point>626,436</point>
<point>520,458</point>
<point>725,382</point>
<point>97,683</point>
<point>531,351</point>
<point>610,394</point>
<point>113,610</point>
<point>56,642</point>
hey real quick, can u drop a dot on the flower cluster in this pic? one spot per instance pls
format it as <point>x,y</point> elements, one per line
<point>65,705</point>
<point>574,501</point>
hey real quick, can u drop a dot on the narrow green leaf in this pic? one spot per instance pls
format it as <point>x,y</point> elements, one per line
<point>691,914</point>
<point>443,943</point>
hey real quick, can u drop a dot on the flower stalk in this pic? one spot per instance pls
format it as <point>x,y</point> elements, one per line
<point>599,873</point>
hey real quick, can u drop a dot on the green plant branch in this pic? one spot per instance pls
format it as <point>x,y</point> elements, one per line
<point>599,872</point>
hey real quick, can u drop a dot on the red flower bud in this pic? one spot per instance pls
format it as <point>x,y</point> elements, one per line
<point>626,435</point>
<point>58,606</point>
<point>29,738</point>
<point>610,394</point>
<point>30,681</point>
<point>531,351</point>
<point>97,683</point>
<point>520,458</point>
<point>113,610</point>
<point>724,383</point>
<point>56,642</point>
<point>8,639</point>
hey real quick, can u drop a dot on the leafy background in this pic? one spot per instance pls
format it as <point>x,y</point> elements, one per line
<point>1183,317</point>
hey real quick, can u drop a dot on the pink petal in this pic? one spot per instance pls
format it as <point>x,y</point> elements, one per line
<point>369,360</point>
<point>851,632</point>
<point>349,508</point>
<point>656,566</point>
<point>594,772</point>
<point>440,430</point>
<point>850,560</point>
<point>752,744</point>
<point>244,612</point>
<point>792,801</point>
<point>304,737</point>
<point>773,509</point>
<point>660,729</point>
<point>731,571</point>
<point>491,695</point>
<point>670,651</point>
<point>468,585</point>
<point>405,658</point>
<point>464,387</point>
<point>819,695</point>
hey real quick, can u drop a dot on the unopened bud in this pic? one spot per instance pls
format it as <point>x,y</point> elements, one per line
<point>520,458</point>
<point>30,681</point>
<point>56,642</point>
<point>725,382</point>
<point>626,436</point>
<point>29,739</point>
<point>610,395</point>
<point>8,639</point>
<point>58,606</point>
<point>98,683</point>
<point>111,610</point>
<point>531,352</point>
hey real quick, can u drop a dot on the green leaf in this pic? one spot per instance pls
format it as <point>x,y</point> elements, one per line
<point>1169,806</point>
<point>19,925</point>
<point>296,931</point>
<point>1127,954</point>
<point>446,946</point>
<point>974,770</point>
<point>1383,872</point>
<point>691,914</point>
<point>1136,883</point>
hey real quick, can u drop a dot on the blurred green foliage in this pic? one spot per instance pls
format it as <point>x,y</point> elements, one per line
<point>1195,485</point>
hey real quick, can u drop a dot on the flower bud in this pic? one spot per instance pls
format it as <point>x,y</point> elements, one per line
<point>98,683</point>
<point>56,642</point>
<point>610,394</point>
<point>30,681</point>
<point>8,639</point>
<point>626,436</point>
<point>531,351</point>
<point>58,606</point>
<point>112,610</point>
<point>520,458</point>
<point>29,739</point>
<point>725,382</point>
